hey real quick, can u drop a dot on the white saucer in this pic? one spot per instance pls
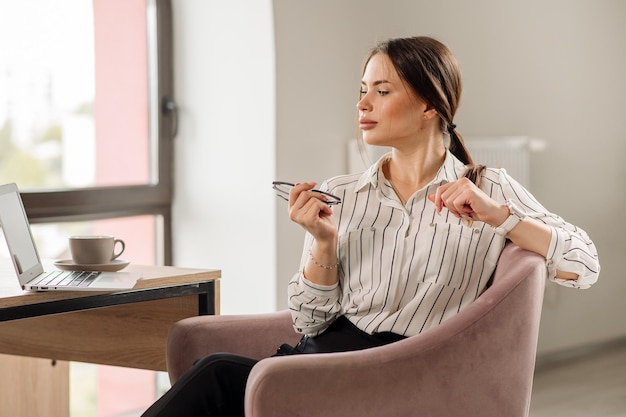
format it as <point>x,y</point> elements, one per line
<point>114,265</point>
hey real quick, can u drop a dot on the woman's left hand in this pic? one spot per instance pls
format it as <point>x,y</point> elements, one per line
<point>466,201</point>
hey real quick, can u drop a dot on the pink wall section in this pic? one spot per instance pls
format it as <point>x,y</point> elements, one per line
<point>121,104</point>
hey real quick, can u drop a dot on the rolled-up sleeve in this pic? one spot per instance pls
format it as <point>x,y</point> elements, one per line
<point>313,307</point>
<point>572,251</point>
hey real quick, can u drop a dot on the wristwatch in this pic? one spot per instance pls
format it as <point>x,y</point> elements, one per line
<point>515,216</point>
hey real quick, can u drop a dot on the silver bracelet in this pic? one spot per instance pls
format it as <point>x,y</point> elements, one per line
<point>322,265</point>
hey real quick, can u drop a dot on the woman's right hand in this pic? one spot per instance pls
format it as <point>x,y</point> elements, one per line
<point>309,210</point>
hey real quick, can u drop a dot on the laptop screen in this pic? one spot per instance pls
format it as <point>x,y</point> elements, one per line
<point>17,231</point>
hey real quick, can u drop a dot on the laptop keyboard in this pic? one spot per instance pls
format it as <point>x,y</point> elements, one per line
<point>67,279</point>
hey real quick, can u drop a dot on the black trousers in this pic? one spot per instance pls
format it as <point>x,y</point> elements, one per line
<point>215,385</point>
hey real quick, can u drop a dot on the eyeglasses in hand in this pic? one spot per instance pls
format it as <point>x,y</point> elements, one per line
<point>283,188</point>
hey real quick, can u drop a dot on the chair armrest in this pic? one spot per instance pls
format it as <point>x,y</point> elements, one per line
<point>479,362</point>
<point>256,336</point>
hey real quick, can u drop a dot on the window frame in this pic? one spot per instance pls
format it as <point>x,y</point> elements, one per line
<point>96,203</point>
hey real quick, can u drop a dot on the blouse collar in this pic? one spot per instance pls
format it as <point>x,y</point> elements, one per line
<point>451,170</point>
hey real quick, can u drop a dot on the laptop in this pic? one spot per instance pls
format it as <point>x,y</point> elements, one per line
<point>26,261</point>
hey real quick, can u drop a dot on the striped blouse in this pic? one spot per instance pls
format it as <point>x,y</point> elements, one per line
<point>405,268</point>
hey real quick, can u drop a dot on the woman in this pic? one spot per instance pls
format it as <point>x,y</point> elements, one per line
<point>415,238</point>
<point>415,241</point>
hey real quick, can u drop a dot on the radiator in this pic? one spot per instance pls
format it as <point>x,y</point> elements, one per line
<point>512,153</point>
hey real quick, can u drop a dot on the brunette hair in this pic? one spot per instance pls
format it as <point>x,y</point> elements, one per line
<point>434,75</point>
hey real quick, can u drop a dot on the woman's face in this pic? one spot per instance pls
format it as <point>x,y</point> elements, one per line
<point>390,114</point>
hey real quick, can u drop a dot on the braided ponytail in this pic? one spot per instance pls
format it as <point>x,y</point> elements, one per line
<point>457,147</point>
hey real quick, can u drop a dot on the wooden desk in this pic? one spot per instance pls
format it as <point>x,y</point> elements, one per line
<point>123,328</point>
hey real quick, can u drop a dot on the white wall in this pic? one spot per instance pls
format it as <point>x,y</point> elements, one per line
<point>223,204</point>
<point>552,70</point>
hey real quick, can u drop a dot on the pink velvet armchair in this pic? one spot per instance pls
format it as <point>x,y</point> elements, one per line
<point>479,363</point>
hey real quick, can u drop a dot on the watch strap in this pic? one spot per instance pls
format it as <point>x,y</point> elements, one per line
<point>515,216</point>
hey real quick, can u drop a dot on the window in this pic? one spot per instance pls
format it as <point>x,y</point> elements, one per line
<point>86,128</point>
<point>86,116</point>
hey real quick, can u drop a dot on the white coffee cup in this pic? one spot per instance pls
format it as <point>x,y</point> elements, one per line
<point>94,250</point>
